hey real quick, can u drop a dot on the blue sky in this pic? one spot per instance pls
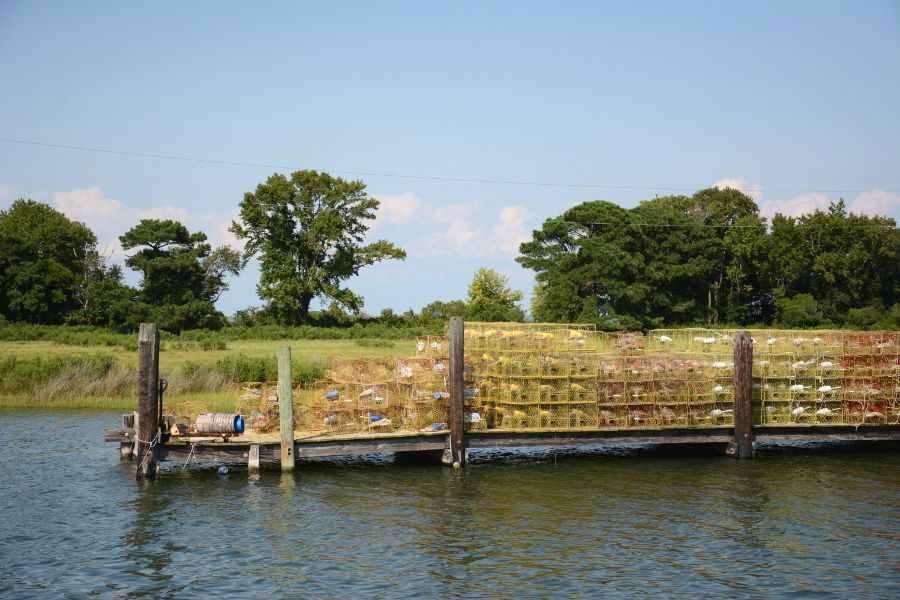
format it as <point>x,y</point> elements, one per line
<point>789,100</point>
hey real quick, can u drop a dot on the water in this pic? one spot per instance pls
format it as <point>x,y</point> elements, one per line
<point>796,523</point>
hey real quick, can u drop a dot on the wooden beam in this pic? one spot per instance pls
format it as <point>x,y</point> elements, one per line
<point>743,380</point>
<point>599,438</point>
<point>148,398</point>
<point>286,407</point>
<point>125,435</point>
<point>457,391</point>
<point>373,446</point>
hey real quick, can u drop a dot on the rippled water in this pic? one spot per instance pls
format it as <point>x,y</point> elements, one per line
<point>793,523</point>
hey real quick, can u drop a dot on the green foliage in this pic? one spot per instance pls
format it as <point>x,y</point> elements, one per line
<point>27,376</point>
<point>708,257</point>
<point>42,261</point>
<point>845,261</point>
<point>801,310</point>
<point>374,343</point>
<point>439,312</point>
<point>598,263</point>
<point>242,368</point>
<point>73,336</point>
<point>107,302</point>
<point>491,299</point>
<point>182,275</point>
<point>308,232</point>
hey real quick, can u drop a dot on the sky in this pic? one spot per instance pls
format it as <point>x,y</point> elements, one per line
<point>794,102</point>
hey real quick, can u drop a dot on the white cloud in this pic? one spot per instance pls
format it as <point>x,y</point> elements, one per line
<point>876,202</point>
<point>755,191</point>
<point>7,192</point>
<point>165,212</point>
<point>109,218</point>
<point>795,206</point>
<point>396,209</point>
<point>461,234</point>
<point>471,230</point>
<point>510,230</point>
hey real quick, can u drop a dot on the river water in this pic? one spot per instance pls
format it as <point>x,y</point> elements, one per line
<point>795,523</point>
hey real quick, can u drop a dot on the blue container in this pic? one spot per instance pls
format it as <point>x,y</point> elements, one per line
<point>238,424</point>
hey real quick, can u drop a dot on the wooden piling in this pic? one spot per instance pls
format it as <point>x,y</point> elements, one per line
<point>126,449</point>
<point>457,392</point>
<point>742,447</point>
<point>148,397</point>
<point>286,407</point>
<point>253,459</point>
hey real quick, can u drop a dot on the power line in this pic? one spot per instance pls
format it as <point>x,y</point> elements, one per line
<point>702,224</point>
<point>405,176</point>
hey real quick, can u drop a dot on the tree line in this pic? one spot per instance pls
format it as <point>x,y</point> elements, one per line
<point>709,258</point>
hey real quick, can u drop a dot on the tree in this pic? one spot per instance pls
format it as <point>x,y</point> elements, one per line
<point>308,232</point>
<point>182,275</point>
<point>619,268</point>
<point>442,311</point>
<point>842,260</point>
<point>491,299</point>
<point>108,302</point>
<point>42,261</point>
<point>733,289</point>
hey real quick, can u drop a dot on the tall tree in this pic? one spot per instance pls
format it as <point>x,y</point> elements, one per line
<point>308,232</point>
<point>731,287</point>
<point>620,268</point>
<point>182,274</point>
<point>841,260</point>
<point>491,298</point>
<point>42,261</point>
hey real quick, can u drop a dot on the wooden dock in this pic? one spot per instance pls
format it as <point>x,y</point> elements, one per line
<point>145,442</point>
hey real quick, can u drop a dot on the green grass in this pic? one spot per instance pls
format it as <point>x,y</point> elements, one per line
<point>50,374</point>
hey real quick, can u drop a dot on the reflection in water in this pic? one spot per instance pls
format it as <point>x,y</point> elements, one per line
<point>531,524</point>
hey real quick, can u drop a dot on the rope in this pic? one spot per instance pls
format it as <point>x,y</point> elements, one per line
<point>190,454</point>
<point>151,446</point>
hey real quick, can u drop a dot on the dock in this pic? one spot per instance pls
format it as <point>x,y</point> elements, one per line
<point>534,420</point>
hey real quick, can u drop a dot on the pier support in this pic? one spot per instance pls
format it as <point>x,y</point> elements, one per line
<point>253,459</point>
<point>457,449</point>
<point>148,401</point>
<point>286,407</point>
<point>126,449</point>
<point>742,446</point>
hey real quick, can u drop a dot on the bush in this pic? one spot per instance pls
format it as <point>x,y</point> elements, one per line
<point>800,311</point>
<point>243,368</point>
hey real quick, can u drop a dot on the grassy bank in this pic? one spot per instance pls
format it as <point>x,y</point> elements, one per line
<point>52,374</point>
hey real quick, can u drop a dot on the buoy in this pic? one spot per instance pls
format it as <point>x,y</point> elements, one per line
<point>223,470</point>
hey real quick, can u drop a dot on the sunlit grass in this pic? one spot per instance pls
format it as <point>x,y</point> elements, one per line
<point>191,390</point>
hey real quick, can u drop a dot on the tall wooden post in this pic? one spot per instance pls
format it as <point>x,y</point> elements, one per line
<point>457,391</point>
<point>148,398</point>
<point>743,380</point>
<point>286,407</point>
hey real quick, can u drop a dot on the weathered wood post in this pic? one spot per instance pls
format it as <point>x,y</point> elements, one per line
<point>148,398</point>
<point>457,392</point>
<point>286,407</point>
<point>126,449</point>
<point>742,447</point>
<point>253,459</point>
